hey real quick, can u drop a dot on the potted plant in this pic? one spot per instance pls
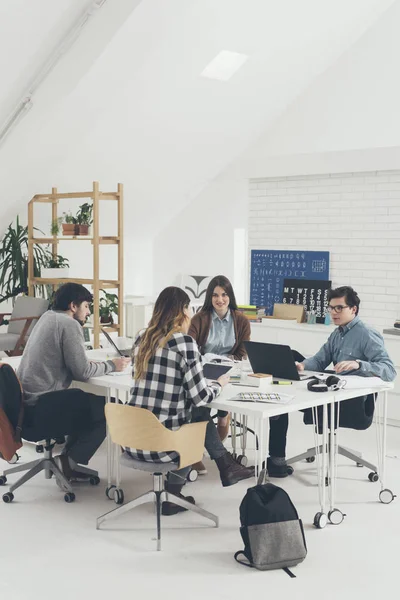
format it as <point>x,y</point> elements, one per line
<point>57,268</point>
<point>14,262</point>
<point>69,224</point>
<point>84,218</point>
<point>108,307</point>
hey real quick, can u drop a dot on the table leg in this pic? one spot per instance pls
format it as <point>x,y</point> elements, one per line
<point>386,495</point>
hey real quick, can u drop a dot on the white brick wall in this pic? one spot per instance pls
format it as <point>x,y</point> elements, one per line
<point>354,216</point>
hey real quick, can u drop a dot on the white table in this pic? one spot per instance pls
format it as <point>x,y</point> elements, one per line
<point>119,386</point>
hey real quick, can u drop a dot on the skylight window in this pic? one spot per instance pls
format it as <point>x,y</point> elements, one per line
<point>224,65</point>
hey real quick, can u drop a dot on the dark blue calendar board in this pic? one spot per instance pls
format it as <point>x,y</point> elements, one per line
<point>269,268</point>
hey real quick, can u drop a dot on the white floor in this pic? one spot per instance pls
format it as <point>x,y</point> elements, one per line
<point>52,549</point>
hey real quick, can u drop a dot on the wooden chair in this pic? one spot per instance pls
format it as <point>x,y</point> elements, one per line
<point>134,427</point>
<point>26,312</point>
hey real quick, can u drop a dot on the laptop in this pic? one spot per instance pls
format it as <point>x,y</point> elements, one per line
<point>274,359</point>
<point>124,352</point>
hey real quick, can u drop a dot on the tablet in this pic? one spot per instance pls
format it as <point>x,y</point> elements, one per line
<point>213,371</point>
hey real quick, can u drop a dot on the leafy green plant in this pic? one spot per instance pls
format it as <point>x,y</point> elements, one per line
<point>55,226</point>
<point>14,262</point>
<point>69,218</point>
<point>108,307</point>
<point>57,262</point>
<point>84,216</point>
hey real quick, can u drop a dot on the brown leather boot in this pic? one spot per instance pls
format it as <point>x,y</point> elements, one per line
<point>230,471</point>
<point>223,430</point>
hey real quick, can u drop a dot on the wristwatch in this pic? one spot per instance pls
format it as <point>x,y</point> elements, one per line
<point>359,363</point>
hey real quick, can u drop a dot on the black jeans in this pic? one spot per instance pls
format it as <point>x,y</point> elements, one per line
<point>72,413</point>
<point>277,435</point>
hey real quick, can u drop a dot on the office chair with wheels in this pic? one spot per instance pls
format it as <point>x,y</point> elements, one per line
<point>11,422</point>
<point>356,413</point>
<point>134,427</point>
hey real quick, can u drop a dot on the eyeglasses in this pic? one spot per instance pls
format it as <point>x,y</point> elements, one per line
<point>337,309</point>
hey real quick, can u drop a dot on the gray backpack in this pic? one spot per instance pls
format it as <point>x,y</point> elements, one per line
<point>271,530</point>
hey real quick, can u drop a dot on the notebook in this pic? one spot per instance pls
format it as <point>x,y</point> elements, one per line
<point>263,397</point>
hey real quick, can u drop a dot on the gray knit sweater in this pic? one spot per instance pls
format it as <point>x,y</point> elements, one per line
<point>55,355</point>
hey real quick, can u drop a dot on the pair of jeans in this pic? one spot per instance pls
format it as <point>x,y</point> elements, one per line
<point>277,435</point>
<point>212,443</point>
<point>73,413</point>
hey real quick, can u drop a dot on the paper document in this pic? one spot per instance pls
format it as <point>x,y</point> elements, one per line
<point>209,357</point>
<point>263,397</point>
<point>127,371</point>
<point>354,382</point>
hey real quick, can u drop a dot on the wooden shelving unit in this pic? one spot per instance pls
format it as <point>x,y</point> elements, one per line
<point>96,240</point>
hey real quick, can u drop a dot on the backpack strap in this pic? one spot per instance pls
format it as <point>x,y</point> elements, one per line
<point>289,572</point>
<point>242,562</point>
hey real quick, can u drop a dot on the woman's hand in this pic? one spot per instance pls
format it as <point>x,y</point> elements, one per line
<point>223,380</point>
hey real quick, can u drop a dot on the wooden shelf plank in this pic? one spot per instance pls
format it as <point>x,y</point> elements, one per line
<point>51,280</point>
<point>51,197</point>
<point>69,238</point>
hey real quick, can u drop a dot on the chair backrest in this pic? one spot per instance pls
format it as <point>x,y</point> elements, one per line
<point>26,306</point>
<point>11,412</point>
<point>135,427</point>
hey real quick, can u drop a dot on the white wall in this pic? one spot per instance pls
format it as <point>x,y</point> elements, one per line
<point>200,240</point>
<point>356,217</point>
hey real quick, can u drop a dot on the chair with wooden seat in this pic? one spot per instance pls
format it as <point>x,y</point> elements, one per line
<point>133,427</point>
<point>26,312</point>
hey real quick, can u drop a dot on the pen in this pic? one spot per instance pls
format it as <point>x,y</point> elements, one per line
<point>282,382</point>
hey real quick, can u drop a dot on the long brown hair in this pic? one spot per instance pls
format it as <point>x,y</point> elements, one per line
<point>219,281</point>
<point>168,318</point>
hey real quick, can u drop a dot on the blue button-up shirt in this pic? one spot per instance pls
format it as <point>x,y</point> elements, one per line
<point>355,341</point>
<point>221,337</point>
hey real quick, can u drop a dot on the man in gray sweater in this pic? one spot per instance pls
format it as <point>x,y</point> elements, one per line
<point>54,356</point>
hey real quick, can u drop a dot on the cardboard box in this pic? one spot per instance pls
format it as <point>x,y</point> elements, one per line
<point>288,312</point>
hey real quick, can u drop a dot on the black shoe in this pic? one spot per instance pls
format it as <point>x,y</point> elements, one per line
<point>278,470</point>
<point>231,471</point>
<point>169,508</point>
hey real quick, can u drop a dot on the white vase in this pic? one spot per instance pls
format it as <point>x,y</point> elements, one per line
<point>55,273</point>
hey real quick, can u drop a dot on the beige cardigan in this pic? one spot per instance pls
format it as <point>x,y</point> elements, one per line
<point>200,327</point>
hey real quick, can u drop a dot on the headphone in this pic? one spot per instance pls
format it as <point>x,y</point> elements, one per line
<point>332,383</point>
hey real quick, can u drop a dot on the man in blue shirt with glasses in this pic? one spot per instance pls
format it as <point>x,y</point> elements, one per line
<point>353,348</point>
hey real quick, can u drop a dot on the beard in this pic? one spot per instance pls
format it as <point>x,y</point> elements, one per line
<point>80,321</point>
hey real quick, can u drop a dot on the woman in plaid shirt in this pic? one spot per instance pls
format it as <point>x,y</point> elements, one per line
<point>169,381</point>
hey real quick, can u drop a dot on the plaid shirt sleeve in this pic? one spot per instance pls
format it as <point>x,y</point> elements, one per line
<point>194,383</point>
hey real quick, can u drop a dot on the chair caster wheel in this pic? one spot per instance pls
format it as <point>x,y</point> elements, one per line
<point>310,459</point>
<point>192,475</point>
<point>110,492</point>
<point>8,497</point>
<point>320,520</point>
<point>3,480</point>
<point>69,497</point>
<point>242,460</point>
<point>94,480</point>
<point>14,459</point>
<point>385,496</point>
<point>40,449</point>
<point>118,496</point>
<point>290,470</point>
<point>374,477</point>
<point>336,516</point>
